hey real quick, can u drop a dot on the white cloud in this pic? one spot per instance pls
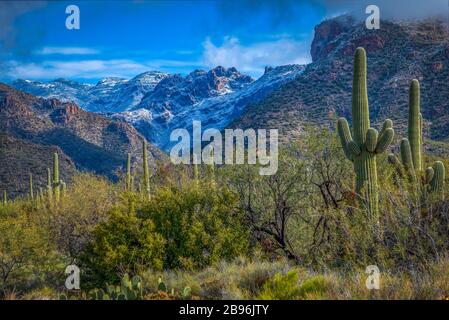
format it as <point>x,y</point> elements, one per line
<point>89,69</point>
<point>67,51</point>
<point>253,58</point>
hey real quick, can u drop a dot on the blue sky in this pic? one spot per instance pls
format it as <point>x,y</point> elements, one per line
<point>125,38</point>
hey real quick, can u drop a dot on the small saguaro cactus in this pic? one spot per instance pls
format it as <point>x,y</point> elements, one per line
<point>128,173</point>
<point>365,143</point>
<point>56,182</point>
<point>49,186</point>
<point>63,189</point>
<point>31,187</point>
<point>5,197</point>
<point>146,171</point>
<point>432,179</point>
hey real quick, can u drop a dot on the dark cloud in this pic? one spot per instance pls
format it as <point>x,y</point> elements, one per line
<point>282,10</point>
<point>390,9</point>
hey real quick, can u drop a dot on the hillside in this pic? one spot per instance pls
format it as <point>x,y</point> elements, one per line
<point>20,157</point>
<point>397,53</point>
<point>157,103</point>
<point>33,128</point>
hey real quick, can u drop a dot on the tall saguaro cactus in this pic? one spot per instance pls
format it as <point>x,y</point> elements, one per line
<point>365,143</point>
<point>146,171</point>
<point>56,181</point>
<point>415,126</point>
<point>432,179</point>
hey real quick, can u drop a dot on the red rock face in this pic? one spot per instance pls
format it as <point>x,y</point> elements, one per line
<point>53,103</point>
<point>371,44</point>
<point>65,114</point>
<point>325,33</point>
<point>71,108</point>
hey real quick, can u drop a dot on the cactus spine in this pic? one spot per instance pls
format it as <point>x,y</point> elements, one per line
<point>56,182</point>
<point>367,143</point>
<point>432,179</point>
<point>146,172</point>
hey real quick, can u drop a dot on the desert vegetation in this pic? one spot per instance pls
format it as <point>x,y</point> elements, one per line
<point>338,203</point>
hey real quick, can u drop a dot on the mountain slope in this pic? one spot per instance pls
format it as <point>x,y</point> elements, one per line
<point>216,109</point>
<point>108,95</point>
<point>397,53</point>
<point>90,141</point>
<point>20,157</point>
<point>157,103</point>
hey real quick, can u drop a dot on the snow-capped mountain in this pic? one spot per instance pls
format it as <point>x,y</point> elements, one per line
<point>108,95</point>
<point>61,89</point>
<point>157,103</point>
<point>179,107</point>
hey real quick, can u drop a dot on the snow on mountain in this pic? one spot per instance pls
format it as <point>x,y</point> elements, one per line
<point>177,104</point>
<point>110,94</point>
<point>157,103</point>
<point>61,89</point>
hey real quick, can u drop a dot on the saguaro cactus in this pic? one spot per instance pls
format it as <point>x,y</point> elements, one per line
<point>128,173</point>
<point>49,187</point>
<point>56,181</point>
<point>432,179</point>
<point>365,144</point>
<point>414,126</point>
<point>63,189</point>
<point>5,197</point>
<point>146,172</point>
<point>31,187</point>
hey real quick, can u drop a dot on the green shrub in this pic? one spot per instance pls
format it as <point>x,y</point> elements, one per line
<point>200,225</point>
<point>282,287</point>
<point>122,244</point>
<point>314,288</point>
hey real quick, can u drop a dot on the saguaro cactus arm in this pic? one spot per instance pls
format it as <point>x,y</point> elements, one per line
<point>345,136</point>
<point>437,181</point>
<point>371,139</point>
<point>406,155</point>
<point>385,139</point>
<point>429,174</point>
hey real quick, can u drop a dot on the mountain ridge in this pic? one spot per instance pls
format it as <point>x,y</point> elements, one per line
<point>397,53</point>
<point>89,141</point>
